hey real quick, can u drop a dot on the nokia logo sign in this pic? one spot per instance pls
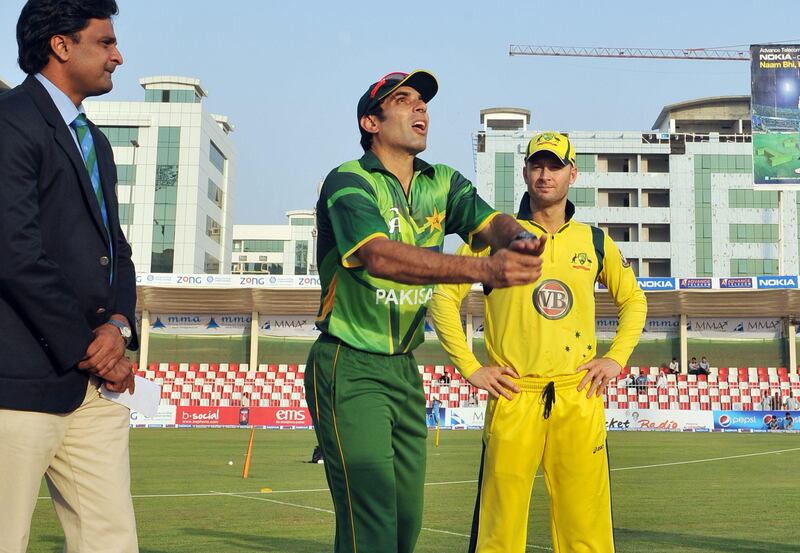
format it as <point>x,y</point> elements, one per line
<point>777,282</point>
<point>654,283</point>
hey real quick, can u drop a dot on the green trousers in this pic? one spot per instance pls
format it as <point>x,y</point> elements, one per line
<point>369,416</point>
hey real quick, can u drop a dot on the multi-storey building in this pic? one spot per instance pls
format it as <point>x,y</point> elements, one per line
<point>678,199</point>
<point>277,249</point>
<point>176,174</point>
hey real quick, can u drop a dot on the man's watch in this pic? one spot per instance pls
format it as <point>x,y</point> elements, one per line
<point>525,235</point>
<point>124,329</point>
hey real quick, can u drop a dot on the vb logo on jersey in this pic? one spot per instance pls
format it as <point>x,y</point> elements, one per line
<point>552,299</point>
<point>581,261</point>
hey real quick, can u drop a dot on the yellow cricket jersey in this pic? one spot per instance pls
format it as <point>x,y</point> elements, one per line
<point>547,328</point>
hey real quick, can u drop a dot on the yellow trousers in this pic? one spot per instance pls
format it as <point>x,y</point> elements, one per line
<point>558,427</point>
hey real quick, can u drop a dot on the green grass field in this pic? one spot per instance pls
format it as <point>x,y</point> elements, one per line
<point>672,492</point>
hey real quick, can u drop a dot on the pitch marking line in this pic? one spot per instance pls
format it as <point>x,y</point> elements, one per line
<point>694,461</point>
<point>530,546</point>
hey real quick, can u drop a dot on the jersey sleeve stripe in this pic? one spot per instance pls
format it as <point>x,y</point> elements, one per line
<point>349,259</point>
<point>346,192</point>
<point>482,226</point>
<point>599,242</point>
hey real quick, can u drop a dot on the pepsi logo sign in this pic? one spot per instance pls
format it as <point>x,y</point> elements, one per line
<point>552,299</point>
<point>724,421</point>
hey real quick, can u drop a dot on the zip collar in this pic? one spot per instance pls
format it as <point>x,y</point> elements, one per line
<point>526,214</point>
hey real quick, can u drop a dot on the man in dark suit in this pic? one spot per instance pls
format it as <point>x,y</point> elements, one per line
<point>67,287</point>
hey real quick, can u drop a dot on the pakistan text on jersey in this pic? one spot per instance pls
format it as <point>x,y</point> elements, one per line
<point>412,296</point>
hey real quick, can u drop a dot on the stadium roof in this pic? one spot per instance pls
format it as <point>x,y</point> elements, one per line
<point>305,301</point>
<point>712,107</point>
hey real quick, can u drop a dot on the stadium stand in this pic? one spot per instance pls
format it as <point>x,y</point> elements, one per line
<point>281,385</point>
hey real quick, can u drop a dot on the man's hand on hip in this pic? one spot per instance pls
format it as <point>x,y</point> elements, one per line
<point>495,381</point>
<point>105,350</point>
<point>599,371</point>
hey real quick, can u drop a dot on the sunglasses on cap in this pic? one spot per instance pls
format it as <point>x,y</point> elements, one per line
<point>394,76</point>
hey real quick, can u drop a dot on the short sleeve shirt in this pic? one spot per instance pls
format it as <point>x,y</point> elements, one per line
<point>360,200</point>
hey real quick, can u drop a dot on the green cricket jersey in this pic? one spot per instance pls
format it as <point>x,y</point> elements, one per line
<point>361,200</point>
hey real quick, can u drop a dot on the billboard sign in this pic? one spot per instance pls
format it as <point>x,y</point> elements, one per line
<point>775,115</point>
<point>749,421</point>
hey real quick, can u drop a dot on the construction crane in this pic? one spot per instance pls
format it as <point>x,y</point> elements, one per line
<point>649,53</point>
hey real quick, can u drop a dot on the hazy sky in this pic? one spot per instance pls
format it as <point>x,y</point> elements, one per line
<point>289,74</point>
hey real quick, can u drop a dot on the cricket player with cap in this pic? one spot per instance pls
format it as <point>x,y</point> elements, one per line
<point>543,334</point>
<point>382,221</point>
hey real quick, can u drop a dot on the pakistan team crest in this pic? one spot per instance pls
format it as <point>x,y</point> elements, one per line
<point>552,299</point>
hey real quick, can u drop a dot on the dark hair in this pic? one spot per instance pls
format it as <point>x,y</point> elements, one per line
<point>366,137</point>
<point>40,20</point>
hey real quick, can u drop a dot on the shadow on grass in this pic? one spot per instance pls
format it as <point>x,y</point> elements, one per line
<point>649,540</point>
<point>261,542</point>
<point>57,543</point>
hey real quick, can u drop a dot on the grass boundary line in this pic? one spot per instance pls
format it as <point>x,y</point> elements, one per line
<point>285,503</point>
<point>618,469</point>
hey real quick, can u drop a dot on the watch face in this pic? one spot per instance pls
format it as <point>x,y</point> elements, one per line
<point>126,332</point>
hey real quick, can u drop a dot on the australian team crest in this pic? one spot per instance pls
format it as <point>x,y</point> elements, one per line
<point>582,261</point>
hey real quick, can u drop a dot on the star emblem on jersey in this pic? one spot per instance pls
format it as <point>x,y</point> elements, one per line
<point>581,261</point>
<point>552,299</point>
<point>435,221</point>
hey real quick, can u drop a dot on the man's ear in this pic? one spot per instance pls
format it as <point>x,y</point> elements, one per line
<point>369,123</point>
<point>573,174</point>
<point>60,46</point>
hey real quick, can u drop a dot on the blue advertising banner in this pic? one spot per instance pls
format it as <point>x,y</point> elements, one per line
<point>776,282</point>
<point>656,283</point>
<point>756,420</point>
<point>695,283</point>
<point>736,282</point>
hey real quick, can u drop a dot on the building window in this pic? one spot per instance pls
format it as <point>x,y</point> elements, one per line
<point>585,162</point>
<point>237,245</point>
<point>171,96</point>
<point>302,221</point>
<point>617,163</point>
<point>655,198</point>
<point>581,197</point>
<point>504,182</point>
<point>618,198</point>
<point>753,233</point>
<point>126,214</point>
<point>301,257</point>
<point>217,158</point>
<point>269,246</point>
<point>126,175</point>
<point>658,267</point>
<point>746,197</point>
<point>120,136</point>
<point>215,193</point>
<point>754,267</point>
<point>211,265</point>
<point>166,200</point>
<point>621,233</point>
<point>213,229</point>
<point>656,233</point>
<point>258,268</point>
